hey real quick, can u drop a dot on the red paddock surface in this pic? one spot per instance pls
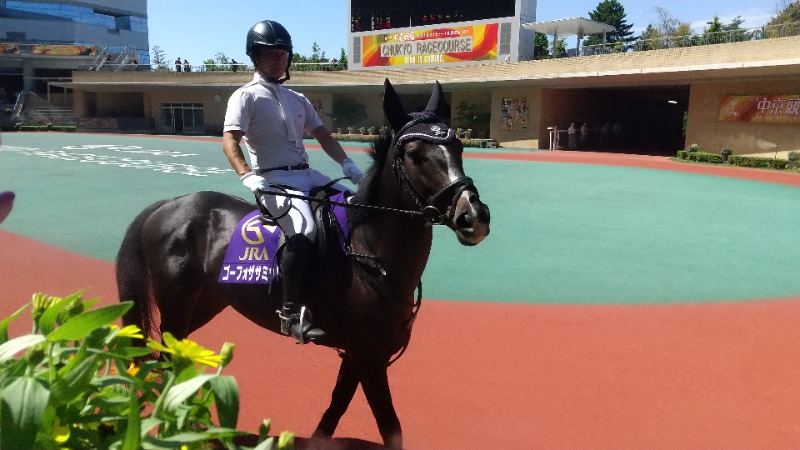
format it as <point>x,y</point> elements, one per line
<point>512,376</point>
<point>480,375</point>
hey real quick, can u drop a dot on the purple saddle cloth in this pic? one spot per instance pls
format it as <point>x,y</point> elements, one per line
<point>251,257</point>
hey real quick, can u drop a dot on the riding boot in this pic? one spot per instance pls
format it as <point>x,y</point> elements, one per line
<point>298,253</point>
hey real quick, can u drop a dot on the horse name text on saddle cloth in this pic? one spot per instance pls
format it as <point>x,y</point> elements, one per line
<point>251,257</point>
<point>251,254</point>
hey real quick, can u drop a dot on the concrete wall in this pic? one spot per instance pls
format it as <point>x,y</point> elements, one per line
<point>705,129</point>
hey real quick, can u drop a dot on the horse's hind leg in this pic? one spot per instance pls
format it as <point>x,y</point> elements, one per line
<point>375,382</point>
<point>346,385</point>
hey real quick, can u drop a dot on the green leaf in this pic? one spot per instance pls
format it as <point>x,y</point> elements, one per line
<point>226,393</point>
<point>18,344</point>
<point>266,444</point>
<point>21,409</point>
<point>180,392</point>
<point>6,321</point>
<point>75,382</point>
<point>133,430</point>
<point>84,323</point>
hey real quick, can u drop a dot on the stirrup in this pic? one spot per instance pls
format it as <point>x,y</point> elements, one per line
<point>288,321</point>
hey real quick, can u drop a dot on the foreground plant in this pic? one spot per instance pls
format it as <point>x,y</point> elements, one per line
<point>73,383</point>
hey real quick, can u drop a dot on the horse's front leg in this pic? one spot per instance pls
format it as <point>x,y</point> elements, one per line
<point>346,385</point>
<point>375,382</point>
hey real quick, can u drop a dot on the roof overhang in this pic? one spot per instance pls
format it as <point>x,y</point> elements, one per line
<point>569,27</point>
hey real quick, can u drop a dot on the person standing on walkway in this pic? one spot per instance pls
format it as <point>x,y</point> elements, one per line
<point>584,142</point>
<point>571,137</point>
<point>178,64</point>
<point>271,120</point>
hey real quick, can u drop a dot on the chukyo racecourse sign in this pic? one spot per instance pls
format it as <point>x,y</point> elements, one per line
<point>430,46</point>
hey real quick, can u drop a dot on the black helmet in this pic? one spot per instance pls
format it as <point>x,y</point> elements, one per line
<point>270,34</point>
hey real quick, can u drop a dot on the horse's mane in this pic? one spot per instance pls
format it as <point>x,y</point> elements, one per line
<point>367,193</point>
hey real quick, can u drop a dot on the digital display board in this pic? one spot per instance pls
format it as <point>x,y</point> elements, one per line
<point>372,15</point>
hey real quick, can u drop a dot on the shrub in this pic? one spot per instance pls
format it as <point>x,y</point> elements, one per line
<point>764,163</point>
<point>704,157</point>
<point>725,153</point>
<point>693,148</point>
<point>794,159</point>
<point>77,385</point>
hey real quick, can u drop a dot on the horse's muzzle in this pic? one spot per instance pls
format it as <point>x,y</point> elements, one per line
<point>471,219</point>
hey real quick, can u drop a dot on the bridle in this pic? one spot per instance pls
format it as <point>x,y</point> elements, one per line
<point>428,207</point>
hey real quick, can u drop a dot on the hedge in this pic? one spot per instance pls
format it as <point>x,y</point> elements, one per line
<point>764,163</point>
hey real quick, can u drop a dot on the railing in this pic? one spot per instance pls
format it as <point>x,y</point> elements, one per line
<point>692,40</point>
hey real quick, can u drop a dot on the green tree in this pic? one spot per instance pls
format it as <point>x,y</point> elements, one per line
<point>159,59</point>
<point>610,12</point>
<point>220,63</point>
<point>342,63</point>
<point>788,12</point>
<point>541,46</point>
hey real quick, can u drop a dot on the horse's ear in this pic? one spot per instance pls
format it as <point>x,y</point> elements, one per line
<point>437,104</point>
<point>392,107</point>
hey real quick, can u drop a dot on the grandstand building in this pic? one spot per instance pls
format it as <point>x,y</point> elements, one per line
<point>45,41</point>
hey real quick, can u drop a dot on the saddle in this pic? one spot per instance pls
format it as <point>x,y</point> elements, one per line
<point>256,244</point>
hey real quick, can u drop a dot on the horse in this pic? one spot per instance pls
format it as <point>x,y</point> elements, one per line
<point>171,256</point>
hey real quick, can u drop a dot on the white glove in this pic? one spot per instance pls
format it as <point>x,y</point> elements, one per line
<point>350,170</point>
<point>254,182</point>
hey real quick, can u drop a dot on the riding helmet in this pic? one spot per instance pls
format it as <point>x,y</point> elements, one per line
<point>269,34</point>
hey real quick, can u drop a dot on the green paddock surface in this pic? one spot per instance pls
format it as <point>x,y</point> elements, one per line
<point>561,233</point>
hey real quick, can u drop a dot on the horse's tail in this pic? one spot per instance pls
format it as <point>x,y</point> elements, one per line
<point>132,280</point>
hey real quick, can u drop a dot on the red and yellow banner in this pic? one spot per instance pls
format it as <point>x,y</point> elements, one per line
<point>760,108</point>
<point>430,46</point>
<point>9,49</point>
<point>63,50</point>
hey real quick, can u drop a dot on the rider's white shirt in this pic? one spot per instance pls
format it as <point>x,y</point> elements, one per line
<point>274,119</point>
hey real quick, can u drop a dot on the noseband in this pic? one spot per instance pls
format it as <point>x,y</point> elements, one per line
<point>428,207</point>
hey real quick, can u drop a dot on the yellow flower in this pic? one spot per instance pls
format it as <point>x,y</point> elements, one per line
<point>131,331</point>
<point>185,349</point>
<point>133,369</point>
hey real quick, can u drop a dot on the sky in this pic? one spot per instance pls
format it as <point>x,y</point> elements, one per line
<point>197,30</point>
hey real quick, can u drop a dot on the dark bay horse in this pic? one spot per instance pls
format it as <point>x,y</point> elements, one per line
<point>172,253</point>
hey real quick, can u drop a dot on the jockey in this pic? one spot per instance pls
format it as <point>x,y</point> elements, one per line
<point>271,120</point>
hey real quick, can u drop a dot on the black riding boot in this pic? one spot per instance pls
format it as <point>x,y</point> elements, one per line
<point>298,252</point>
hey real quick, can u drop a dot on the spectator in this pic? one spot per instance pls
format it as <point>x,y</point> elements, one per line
<point>178,64</point>
<point>616,129</point>
<point>186,66</point>
<point>572,138</point>
<point>234,65</point>
<point>584,142</point>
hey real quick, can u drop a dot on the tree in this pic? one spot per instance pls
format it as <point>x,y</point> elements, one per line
<point>219,64</point>
<point>667,32</point>
<point>610,12</point>
<point>789,11</point>
<point>541,46</point>
<point>342,63</point>
<point>159,59</point>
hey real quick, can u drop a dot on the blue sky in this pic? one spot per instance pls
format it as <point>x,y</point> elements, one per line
<point>199,29</point>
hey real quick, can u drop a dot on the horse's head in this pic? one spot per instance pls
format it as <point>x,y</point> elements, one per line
<point>427,161</point>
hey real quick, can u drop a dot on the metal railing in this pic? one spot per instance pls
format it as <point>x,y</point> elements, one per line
<point>693,40</point>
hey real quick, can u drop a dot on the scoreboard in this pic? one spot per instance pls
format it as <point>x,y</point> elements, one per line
<point>405,33</point>
<point>374,15</point>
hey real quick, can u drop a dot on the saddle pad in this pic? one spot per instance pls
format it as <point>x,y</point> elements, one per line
<point>251,257</point>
